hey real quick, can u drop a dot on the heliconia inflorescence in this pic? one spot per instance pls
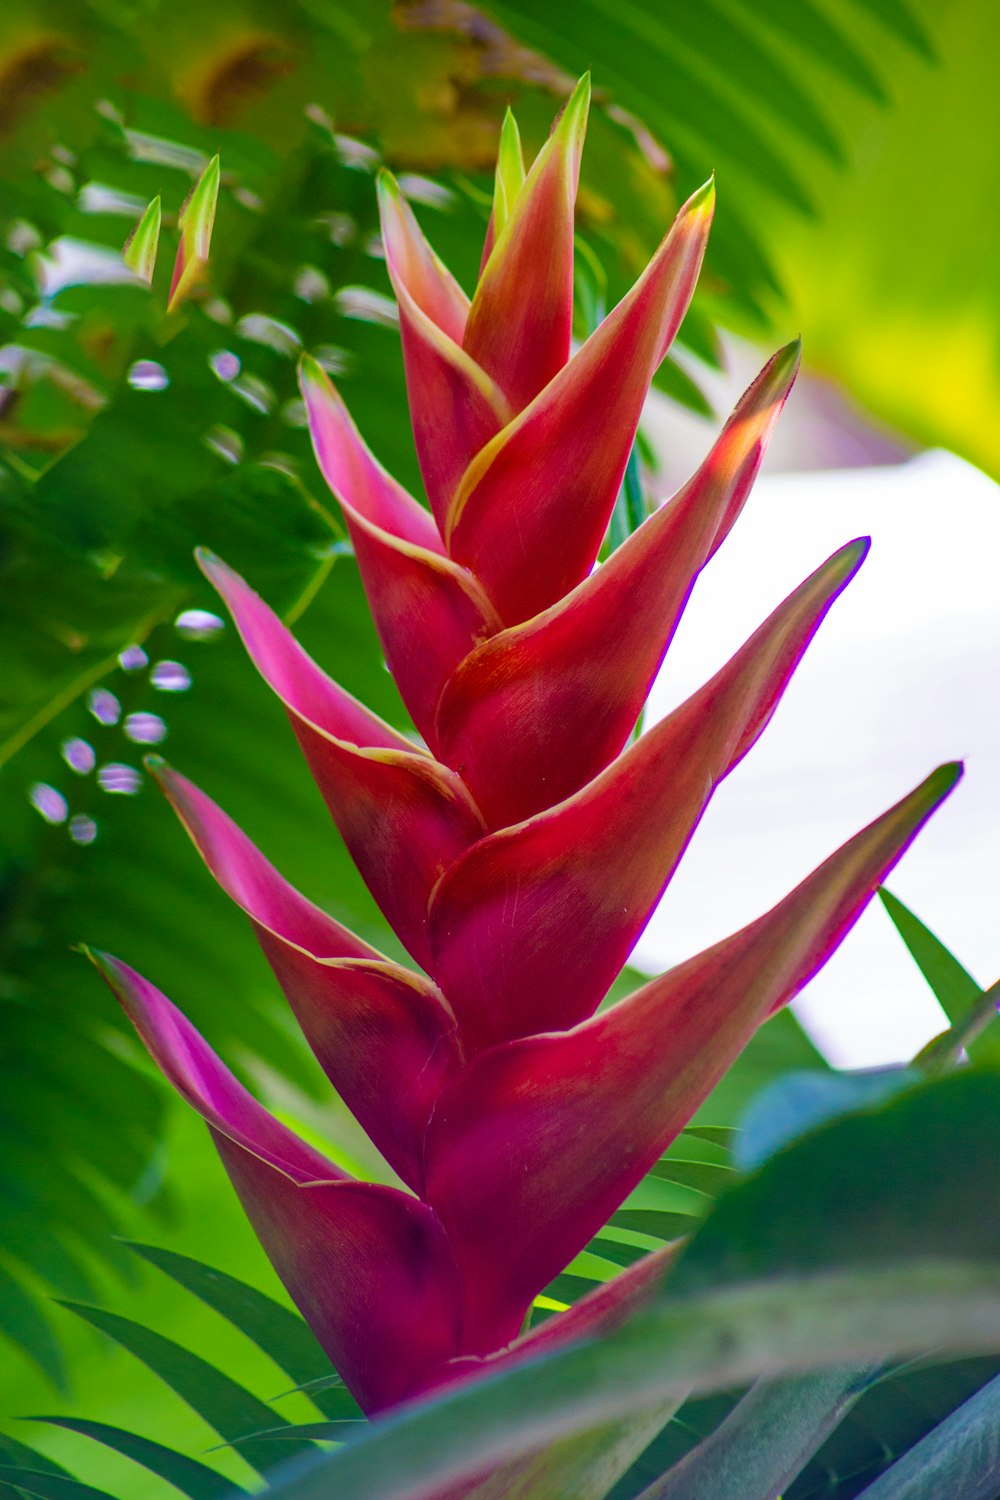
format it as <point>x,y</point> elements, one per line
<point>519,855</point>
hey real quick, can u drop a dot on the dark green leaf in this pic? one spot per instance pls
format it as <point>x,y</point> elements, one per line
<point>277,1330</point>
<point>655,1222</point>
<point>953,986</point>
<point>194,1479</point>
<point>619,1251</point>
<point>51,1486</point>
<point>225,1405</point>
<point>704,1176</point>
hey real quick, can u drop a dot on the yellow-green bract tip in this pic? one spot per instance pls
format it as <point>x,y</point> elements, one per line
<point>510,171</point>
<point>703,198</point>
<point>790,354</point>
<point>574,115</point>
<point>139,250</point>
<point>311,372</point>
<point>386,183</point>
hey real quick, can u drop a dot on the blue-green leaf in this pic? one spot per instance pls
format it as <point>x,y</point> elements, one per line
<point>960,1457</point>
<point>793,1105</point>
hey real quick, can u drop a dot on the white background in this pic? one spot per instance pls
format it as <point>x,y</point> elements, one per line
<point>904,674</point>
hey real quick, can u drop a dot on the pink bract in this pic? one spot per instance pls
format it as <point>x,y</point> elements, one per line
<point>518,856</point>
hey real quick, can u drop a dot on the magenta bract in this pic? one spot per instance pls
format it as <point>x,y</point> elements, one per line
<point>518,856</point>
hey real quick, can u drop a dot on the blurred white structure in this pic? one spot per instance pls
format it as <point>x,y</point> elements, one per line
<point>904,674</point>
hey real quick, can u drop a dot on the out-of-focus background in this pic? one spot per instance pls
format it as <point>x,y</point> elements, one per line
<point>857,156</point>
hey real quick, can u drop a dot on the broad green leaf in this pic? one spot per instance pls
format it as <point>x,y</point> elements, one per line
<point>870,1237</point>
<point>799,1102</point>
<point>224,1404</point>
<point>191,1478</point>
<point>961,1457</point>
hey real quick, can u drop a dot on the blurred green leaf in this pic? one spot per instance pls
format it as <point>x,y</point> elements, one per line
<point>774,1282</point>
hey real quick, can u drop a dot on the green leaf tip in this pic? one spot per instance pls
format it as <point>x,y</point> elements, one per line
<point>510,174</point>
<point>703,198</point>
<point>139,250</point>
<point>790,355</point>
<point>385,182</point>
<point>104,963</point>
<point>310,368</point>
<point>195,221</point>
<point>945,777</point>
<point>573,119</point>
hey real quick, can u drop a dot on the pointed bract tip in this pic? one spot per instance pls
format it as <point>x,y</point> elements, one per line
<point>312,374</point>
<point>105,964</point>
<point>573,120</point>
<point>139,250</point>
<point>156,766</point>
<point>848,559</point>
<point>209,563</point>
<point>941,781</point>
<point>386,184</point>
<point>789,357</point>
<point>703,199</point>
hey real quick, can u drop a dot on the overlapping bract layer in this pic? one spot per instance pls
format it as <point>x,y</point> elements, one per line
<point>519,854</point>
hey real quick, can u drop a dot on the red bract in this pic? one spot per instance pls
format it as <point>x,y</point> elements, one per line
<point>518,855</point>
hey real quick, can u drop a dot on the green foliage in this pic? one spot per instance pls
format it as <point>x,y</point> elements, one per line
<point>108,480</point>
<point>869,1237</point>
<point>730,87</point>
